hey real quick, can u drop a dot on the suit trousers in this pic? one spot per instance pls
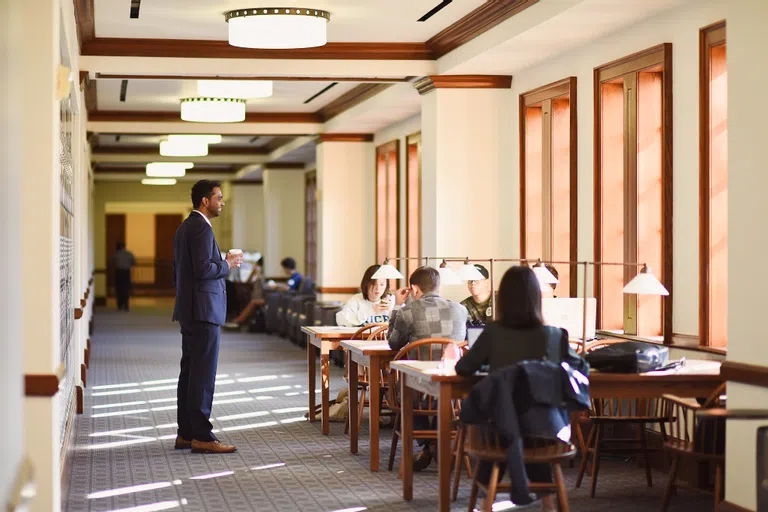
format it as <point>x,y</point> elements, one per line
<point>122,287</point>
<point>199,359</point>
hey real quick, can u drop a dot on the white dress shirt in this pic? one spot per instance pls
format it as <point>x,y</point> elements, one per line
<point>204,216</point>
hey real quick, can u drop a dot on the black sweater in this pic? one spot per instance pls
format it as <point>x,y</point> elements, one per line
<point>499,346</point>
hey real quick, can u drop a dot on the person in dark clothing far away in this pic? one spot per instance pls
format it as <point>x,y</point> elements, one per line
<point>294,276</point>
<point>519,334</point>
<point>122,262</point>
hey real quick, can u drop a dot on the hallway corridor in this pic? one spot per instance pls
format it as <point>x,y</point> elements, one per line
<point>123,458</point>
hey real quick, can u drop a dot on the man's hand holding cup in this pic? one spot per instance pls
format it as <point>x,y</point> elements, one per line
<point>235,258</point>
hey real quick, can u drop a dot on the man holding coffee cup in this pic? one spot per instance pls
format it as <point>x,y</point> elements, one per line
<point>201,307</point>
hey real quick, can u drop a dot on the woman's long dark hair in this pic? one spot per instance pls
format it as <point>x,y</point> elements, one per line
<point>365,284</point>
<point>519,304</point>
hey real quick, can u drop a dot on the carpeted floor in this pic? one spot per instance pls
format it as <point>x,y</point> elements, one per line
<point>124,458</point>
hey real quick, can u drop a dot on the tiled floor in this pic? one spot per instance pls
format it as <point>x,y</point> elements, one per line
<point>124,457</point>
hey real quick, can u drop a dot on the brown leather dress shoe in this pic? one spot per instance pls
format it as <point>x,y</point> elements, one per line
<point>182,444</point>
<point>211,447</point>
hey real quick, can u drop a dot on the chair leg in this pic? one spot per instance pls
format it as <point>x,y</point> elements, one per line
<point>493,484</point>
<point>360,407</point>
<point>646,461</point>
<point>458,457</point>
<point>596,459</point>
<point>585,455</point>
<point>473,490</point>
<point>718,485</point>
<point>670,483</point>
<point>393,446</point>
<point>562,491</point>
<point>346,426</point>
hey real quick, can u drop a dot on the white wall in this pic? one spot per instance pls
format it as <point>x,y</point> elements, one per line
<point>11,350</point>
<point>681,28</point>
<point>248,228</point>
<point>747,239</point>
<point>284,219</point>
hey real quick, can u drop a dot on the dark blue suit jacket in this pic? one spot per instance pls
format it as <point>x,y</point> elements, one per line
<point>198,273</point>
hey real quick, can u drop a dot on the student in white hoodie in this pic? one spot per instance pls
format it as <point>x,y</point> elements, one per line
<point>371,306</point>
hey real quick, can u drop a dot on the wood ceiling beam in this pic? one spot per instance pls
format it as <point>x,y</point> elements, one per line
<point>213,150</point>
<point>349,99</point>
<point>166,116</point>
<point>365,79</point>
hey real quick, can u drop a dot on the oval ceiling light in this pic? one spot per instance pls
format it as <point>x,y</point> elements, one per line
<point>202,139</point>
<point>213,110</point>
<point>158,181</point>
<point>183,148</point>
<point>168,169</point>
<point>278,27</point>
<point>245,89</point>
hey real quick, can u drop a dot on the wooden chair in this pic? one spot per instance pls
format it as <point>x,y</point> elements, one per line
<point>429,349</point>
<point>366,332</point>
<point>695,436</point>
<point>484,442</point>
<point>637,412</point>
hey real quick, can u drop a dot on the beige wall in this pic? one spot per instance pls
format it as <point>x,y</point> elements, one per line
<point>248,228</point>
<point>284,218</point>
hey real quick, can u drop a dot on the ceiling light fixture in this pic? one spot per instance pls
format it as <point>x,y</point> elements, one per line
<point>245,89</point>
<point>183,148</point>
<point>158,181</point>
<point>168,169</point>
<point>213,110</point>
<point>278,27</point>
<point>207,139</point>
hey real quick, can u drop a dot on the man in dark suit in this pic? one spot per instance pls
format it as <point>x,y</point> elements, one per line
<point>201,308</point>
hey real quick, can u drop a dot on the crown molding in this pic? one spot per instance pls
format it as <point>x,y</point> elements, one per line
<point>362,79</point>
<point>161,116</point>
<point>345,137</point>
<point>477,22</point>
<point>141,169</point>
<point>155,150</point>
<point>207,49</point>
<point>430,83</point>
<point>349,99</point>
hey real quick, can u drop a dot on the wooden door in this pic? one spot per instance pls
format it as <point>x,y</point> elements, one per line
<point>165,229</point>
<point>115,233</point>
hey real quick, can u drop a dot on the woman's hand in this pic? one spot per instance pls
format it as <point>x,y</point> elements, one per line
<point>378,307</point>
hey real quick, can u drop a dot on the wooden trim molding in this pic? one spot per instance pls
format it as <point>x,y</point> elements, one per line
<point>78,313</point>
<point>338,289</point>
<point>155,150</point>
<point>46,385</point>
<point>172,117</point>
<point>86,22</point>
<point>83,375</point>
<point>345,137</point>
<point>752,374</point>
<point>349,99</point>
<point>475,23</point>
<point>365,79</point>
<point>206,49</point>
<point>431,82</point>
<point>727,506</point>
<point>79,399</point>
<point>84,301</point>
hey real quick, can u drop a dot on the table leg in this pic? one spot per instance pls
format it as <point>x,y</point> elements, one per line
<point>311,370</point>
<point>406,429</point>
<point>325,377</point>
<point>374,399</point>
<point>353,397</point>
<point>445,413</point>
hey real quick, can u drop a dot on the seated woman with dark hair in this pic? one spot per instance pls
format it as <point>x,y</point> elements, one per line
<point>372,305</point>
<point>520,334</point>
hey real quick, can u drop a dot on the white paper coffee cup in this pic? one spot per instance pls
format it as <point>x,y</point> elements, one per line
<point>236,252</point>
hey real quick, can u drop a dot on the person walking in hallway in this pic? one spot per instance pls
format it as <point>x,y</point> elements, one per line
<point>122,261</point>
<point>200,309</point>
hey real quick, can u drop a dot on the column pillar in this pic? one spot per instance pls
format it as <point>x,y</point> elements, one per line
<point>747,182</point>
<point>466,139</point>
<point>345,210</point>
<point>36,56</point>
<point>284,217</point>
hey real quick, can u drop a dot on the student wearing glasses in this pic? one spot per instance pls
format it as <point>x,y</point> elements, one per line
<point>479,302</point>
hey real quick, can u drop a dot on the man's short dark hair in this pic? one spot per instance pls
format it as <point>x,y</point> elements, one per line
<point>426,278</point>
<point>201,189</point>
<point>288,263</point>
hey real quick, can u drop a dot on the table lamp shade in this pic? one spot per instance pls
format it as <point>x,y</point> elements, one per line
<point>387,271</point>
<point>468,272</point>
<point>645,283</point>
<point>448,276</point>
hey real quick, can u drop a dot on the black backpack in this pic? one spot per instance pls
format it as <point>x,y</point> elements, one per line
<point>628,357</point>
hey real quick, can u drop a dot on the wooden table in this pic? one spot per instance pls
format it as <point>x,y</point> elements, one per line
<point>694,380</point>
<point>324,339</point>
<point>376,356</point>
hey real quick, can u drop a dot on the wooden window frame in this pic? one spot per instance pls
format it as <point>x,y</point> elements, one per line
<point>709,36</point>
<point>310,256</point>
<point>640,61</point>
<point>387,149</point>
<point>410,140</point>
<point>546,93</point>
